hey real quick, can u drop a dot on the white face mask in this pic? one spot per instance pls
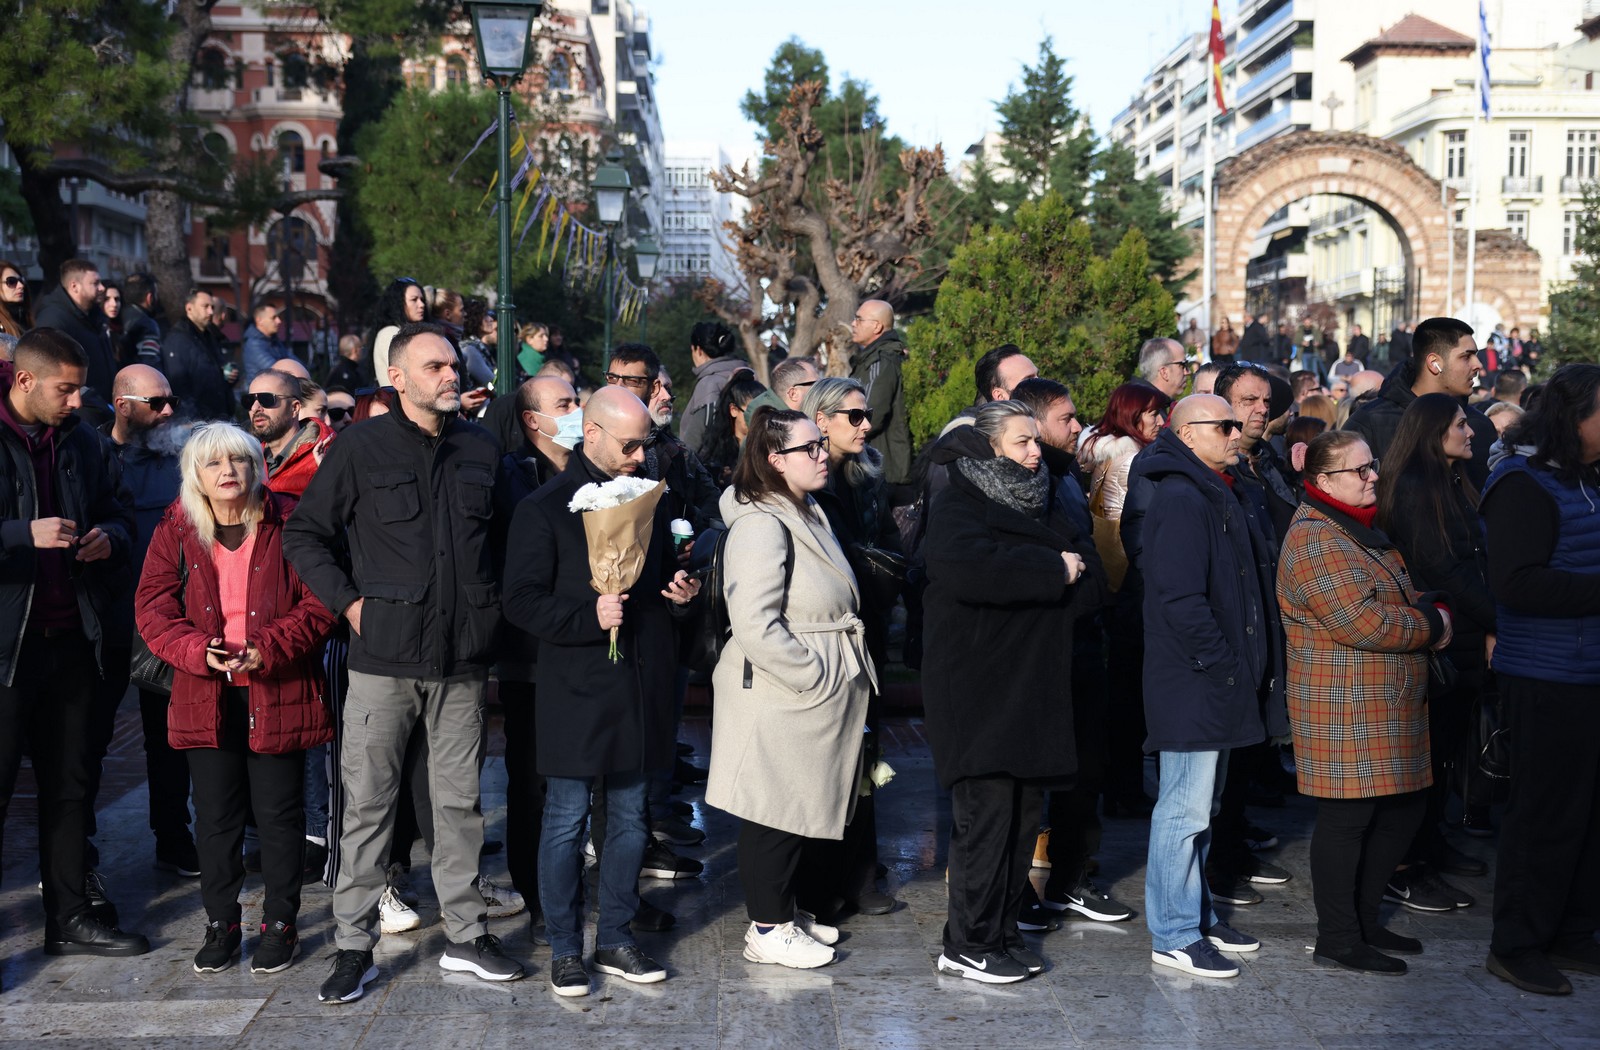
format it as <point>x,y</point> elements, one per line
<point>569,428</point>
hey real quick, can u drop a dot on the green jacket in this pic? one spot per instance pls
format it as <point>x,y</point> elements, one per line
<point>877,367</point>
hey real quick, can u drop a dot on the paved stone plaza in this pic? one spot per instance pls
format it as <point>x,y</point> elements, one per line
<point>1100,989</point>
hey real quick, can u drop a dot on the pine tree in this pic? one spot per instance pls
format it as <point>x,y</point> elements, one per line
<point>1048,145</point>
<point>1575,307</point>
<point>1121,201</point>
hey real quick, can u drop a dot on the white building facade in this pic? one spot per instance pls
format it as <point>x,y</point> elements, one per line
<point>694,244</point>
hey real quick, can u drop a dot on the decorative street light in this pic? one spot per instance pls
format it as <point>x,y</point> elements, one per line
<point>611,185</point>
<point>645,254</point>
<point>502,29</point>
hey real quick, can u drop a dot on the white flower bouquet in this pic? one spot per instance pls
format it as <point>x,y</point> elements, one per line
<point>617,518</point>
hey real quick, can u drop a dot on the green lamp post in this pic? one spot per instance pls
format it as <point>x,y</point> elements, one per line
<point>611,185</point>
<point>645,254</point>
<point>503,29</point>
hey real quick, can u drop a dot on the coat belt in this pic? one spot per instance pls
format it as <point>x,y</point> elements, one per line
<point>855,643</point>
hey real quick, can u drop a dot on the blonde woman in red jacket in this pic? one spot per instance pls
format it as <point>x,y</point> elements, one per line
<point>220,604</point>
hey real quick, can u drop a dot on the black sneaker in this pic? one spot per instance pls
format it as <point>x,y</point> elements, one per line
<point>221,947</point>
<point>1362,958</point>
<point>1031,960</point>
<point>1229,890</point>
<point>352,972</point>
<point>630,964</point>
<point>100,906</point>
<point>1036,918</point>
<point>1532,973</point>
<point>661,863</point>
<point>987,968</point>
<point>677,832</point>
<point>679,808</point>
<point>483,958</point>
<point>1259,871</point>
<point>1086,899</point>
<point>568,977</point>
<point>277,948</point>
<point>179,857</point>
<point>1414,888</point>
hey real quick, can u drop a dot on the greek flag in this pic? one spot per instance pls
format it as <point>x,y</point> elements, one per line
<point>1483,60</point>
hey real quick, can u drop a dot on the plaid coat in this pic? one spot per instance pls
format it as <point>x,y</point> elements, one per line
<point>1358,668</point>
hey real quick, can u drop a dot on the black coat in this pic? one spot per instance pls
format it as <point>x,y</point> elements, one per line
<point>997,669</point>
<point>592,716</point>
<point>415,513</point>
<point>1459,566</point>
<point>87,491</point>
<point>1360,348</point>
<point>522,473</point>
<point>1377,421</point>
<point>193,362</point>
<point>1256,344</point>
<point>56,310</point>
<point>1208,666</point>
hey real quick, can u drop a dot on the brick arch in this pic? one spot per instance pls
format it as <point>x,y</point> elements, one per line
<point>1259,181</point>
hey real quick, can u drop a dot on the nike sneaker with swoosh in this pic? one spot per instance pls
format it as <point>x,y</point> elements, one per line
<point>987,967</point>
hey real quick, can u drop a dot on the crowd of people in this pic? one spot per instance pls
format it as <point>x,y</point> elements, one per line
<point>311,586</point>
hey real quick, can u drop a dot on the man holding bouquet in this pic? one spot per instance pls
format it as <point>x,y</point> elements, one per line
<point>604,693</point>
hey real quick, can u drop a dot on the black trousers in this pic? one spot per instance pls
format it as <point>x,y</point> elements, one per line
<point>776,868</point>
<point>48,705</point>
<point>166,769</point>
<point>1549,863</point>
<point>994,824</point>
<point>1448,717</point>
<point>524,789</point>
<point>1075,829</point>
<point>227,780</point>
<point>1229,856</point>
<point>1125,726</point>
<point>1354,849</point>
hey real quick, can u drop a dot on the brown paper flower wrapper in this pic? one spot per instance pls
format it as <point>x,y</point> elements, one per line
<point>619,539</point>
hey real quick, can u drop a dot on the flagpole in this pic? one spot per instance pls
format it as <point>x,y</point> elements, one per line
<point>1208,251</point>
<point>1481,116</point>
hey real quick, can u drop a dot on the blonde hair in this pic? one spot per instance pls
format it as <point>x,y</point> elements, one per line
<point>211,441</point>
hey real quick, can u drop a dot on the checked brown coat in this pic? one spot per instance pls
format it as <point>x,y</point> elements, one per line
<point>1357,656</point>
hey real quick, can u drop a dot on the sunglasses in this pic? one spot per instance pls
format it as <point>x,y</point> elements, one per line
<point>1227,426</point>
<point>1364,471</point>
<point>156,403</point>
<point>815,449</point>
<point>638,381</point>
<point>630,446</point>
<point>854,416</point>
<point>265,400</point>
<point>13,281</point>
<point>337,414</point>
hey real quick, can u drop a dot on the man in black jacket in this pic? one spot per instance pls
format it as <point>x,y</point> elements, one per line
<point>412,493</point>
<point>193,361</point>
<point>596,717</point>
<point>141,333</point>
<point>72,307</point>
<point>1444,360</point>
<point>65,534</point>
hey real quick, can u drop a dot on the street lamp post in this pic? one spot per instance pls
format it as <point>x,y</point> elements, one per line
<point>611,185</point>
<point>645,254</point>
<point>502,29</point>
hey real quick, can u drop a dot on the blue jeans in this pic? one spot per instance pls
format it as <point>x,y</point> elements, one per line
<point>1177,902</point>
<point>316,792</point>
<point>566,811</point>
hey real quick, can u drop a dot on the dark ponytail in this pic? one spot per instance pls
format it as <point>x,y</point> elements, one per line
<point>714,338</point>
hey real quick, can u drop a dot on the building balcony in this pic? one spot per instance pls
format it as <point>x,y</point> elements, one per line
<point>1274,29</point>
<point>1574,185</point>
<point>1522,186</point>
<point>1272,77</point>
<point>1284,118</point>
<point>1338,217</point>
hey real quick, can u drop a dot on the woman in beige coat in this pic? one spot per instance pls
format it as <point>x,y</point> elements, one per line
<point>791,686</point>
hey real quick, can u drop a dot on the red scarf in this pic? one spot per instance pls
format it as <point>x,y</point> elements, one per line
<point>1364,515</point>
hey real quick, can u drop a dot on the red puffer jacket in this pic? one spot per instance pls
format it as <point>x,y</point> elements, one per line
<point>288,705</point>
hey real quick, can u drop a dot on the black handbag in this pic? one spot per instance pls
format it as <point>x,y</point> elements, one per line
<point>1442,675</point>
<point>880,573</point>
<point>147,671</point>
<point>1493,737</point>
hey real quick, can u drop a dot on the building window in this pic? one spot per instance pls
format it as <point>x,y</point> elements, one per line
<point>291,245</point>
<point>296,70</point>
<point>455,71</point>
<point>213,69</point>
<point>1517,223</point>
<point>560,72</point>
<point>1569,231</point>
<point>1517,153</point>
<point>215,263</point>
<point>1455,154</point>
<point>1583,153</point>
<point>292,151</point>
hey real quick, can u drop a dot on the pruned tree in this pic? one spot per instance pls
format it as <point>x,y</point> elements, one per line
<point>816,260</point>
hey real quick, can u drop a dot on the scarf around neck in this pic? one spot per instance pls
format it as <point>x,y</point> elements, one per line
<point>1008,483</point>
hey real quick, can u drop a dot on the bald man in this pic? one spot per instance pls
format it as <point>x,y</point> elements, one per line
<point>598,715</point>
<point>1207,664</point>
<point>413,492</point>
<point>1365,382</point>
<point>292,365</point>
<point>875,364</point>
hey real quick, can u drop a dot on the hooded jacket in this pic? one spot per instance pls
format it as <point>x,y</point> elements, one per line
<point>1209,663</point>
<point>1378,420</point>
<point>877,366</point>
<point>709,379</point>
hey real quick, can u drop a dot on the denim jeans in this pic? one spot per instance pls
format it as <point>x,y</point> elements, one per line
<point>316,793</point>
<point>1177,902</point>
<point>566,810</point>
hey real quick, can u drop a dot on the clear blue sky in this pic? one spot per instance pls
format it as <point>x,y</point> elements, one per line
<point>937,66</point>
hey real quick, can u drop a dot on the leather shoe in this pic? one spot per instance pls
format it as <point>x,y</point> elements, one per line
<point>874,903</point>
<point>83,934</point>
<point>1580,955</point>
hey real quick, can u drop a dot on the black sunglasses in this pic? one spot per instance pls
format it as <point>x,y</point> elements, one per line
<point>13,281</point>
<point>815,449</point>
<point>156,403</point>
<point>265,400</point>
<point>1364,471</point>
<point>632,445</point>
<point>336,414</point>
<point>854,416</point>
<point>1227,426</point>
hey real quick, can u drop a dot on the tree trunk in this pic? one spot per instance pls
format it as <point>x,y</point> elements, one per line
<point>164,210</point>
<point>52,220</point>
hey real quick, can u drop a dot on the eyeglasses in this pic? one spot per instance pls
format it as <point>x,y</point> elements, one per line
<point>815,449</point>
<point>1189,367</point>
<point>630,446</point>
<point>337,414</point>
<point>854,416</point>
<point>1227,426</point>
<point>265,400</point>
<point>156,403</point>
<point>639,381</point>
<point>1364,471</point>
<point>13,281</point>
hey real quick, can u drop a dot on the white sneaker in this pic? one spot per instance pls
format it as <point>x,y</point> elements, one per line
<point>394,914</point>
<point>819,932</point>
<point>786,945</point>
<point>501,900</point>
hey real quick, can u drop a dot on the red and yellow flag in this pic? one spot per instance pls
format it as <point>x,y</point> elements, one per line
<point>1219,51</point>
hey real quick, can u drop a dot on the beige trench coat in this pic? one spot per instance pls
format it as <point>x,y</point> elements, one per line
<point>786,751</point>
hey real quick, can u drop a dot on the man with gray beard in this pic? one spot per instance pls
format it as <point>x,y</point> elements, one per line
<point>146,439</point>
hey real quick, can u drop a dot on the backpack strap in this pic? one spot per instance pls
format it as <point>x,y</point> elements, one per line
<point>788,578</point>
